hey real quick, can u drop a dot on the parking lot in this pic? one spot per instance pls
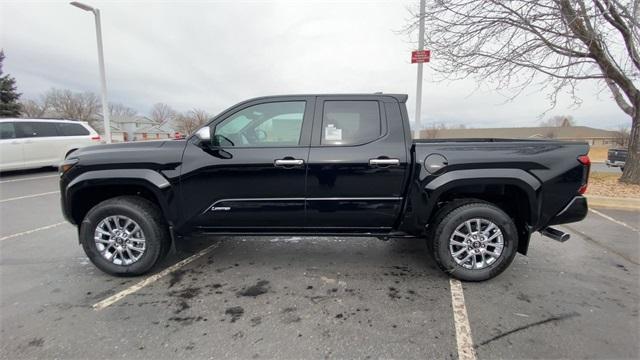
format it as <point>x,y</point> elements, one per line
<point>291,297</point>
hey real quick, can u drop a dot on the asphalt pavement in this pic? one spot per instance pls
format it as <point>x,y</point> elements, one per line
<point>318,297</point>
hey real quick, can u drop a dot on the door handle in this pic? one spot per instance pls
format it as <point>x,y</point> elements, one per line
<point>288,162</point>
<point>384,162</point>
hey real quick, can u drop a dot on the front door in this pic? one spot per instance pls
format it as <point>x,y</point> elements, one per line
<point>357,164</point>
<point>252,175</point>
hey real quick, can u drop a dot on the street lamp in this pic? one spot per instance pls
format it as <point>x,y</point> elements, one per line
<point>103,80</point>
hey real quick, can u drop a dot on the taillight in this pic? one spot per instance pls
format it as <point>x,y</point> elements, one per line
<point>96,138</point>
<point>586,162</point>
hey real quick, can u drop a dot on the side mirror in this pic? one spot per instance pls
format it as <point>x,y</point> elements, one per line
<point>204,134</point>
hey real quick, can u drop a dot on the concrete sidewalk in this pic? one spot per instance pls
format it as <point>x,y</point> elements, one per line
<point>614,203</point>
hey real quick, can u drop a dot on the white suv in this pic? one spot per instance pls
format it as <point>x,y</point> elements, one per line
<point>34,143</point>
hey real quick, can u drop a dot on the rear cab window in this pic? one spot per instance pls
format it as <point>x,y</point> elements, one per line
<point>350,122</point>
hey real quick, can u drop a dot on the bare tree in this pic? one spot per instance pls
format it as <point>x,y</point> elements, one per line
<point>35,108</point>
<point>554,44</point>
<point>191,121</point>
<point>434,130</point>
<point>64,103</point>
<point>120,111</point>
<point>622,135</point>
<point>162,113</point>
<point>559,121</point>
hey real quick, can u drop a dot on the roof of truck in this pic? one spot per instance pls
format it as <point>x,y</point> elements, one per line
<point>399,97</point>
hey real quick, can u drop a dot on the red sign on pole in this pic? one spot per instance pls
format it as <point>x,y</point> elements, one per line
<point>420,56</point>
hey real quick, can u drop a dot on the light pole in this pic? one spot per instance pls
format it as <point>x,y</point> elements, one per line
<point>103,80</point>
<point>419,86</point>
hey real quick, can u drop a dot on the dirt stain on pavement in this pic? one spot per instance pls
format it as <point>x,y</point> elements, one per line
<point>176,277</point>
<point>36,342</point>
<point>393,293</point>
<point>236,313</point>
<point>528,326</point>
<point>188,293</point>
<point>187,320</point>
<point>290,316</point>
<point>261,287</point>
<point>524,297</point>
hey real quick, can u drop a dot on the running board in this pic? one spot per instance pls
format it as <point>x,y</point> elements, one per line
<point>555,234</point>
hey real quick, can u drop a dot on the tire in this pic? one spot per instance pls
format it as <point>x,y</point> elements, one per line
<point>143,213</point>
<point>454,215</point>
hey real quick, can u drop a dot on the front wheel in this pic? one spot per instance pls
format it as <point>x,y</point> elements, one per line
<point>473,240</point>
<point>125,235</point>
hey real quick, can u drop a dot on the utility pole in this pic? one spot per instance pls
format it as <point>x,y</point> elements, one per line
<point>103,78</point>
<point>418,123</point>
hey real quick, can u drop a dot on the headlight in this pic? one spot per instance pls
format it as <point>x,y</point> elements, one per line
<point>67,165</point>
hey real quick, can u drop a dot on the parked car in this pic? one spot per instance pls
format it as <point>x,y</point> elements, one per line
<point>340,165</point>
<point>35,143</point>
<point>617,158</point>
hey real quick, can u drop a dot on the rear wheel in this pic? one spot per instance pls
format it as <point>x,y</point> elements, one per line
<point>473,240</point>
<point>125,235</point>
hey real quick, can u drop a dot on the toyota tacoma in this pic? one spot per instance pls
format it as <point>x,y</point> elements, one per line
<point>338,165</point>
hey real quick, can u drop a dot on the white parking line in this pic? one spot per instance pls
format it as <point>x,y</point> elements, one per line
<point>614,220</point>
<point>461,321</point>
<point>28,178</point>
<point>29,196</point>
<point>151,279</point>
<point>31,231</point>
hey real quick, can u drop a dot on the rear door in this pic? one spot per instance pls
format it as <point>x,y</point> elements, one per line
<point>357,164</point>
<point>11,148</point>
<point>252,177</point>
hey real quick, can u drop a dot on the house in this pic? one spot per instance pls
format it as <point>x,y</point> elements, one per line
<point>593,136</point>
<point>137,128</point>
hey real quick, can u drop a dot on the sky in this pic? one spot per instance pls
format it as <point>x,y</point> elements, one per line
<point>213,54</point>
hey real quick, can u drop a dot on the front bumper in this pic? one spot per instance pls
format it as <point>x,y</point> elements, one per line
<point>64,205</point>
<point>576,210</point>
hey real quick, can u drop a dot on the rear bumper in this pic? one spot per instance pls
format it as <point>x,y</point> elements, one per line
<point>614,163</point>
<point>575,211</point>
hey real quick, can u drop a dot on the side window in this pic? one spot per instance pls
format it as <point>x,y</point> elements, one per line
<point>7,130</point>
<point>270,124</point>
<point>350,122</point>
<point>67,129</point>
<point>36,129</point>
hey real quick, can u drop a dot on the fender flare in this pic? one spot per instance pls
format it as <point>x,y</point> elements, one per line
<point>147,175</point>
<point>151,180</point>
<point>516,177</point>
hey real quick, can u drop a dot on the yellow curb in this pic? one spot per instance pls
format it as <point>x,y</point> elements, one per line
<point>613,203</point>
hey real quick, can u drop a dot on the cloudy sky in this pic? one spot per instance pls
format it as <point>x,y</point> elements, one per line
<point>212,54</point>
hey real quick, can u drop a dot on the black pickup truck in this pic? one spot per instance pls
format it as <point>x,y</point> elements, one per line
<point>340,165</point>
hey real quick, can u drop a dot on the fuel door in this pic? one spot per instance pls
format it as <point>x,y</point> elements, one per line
<point>434,163</point>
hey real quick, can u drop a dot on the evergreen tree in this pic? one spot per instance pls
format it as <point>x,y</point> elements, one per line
<point>9,105</point>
